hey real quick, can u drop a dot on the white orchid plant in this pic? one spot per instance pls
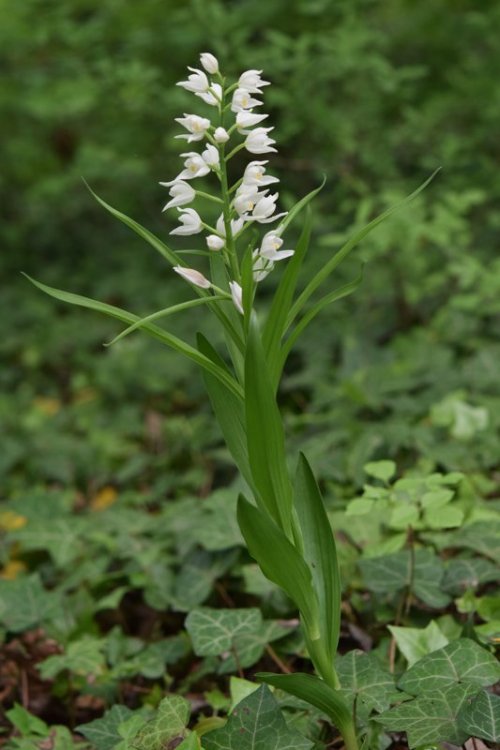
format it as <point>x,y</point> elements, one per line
<point>284,524</point>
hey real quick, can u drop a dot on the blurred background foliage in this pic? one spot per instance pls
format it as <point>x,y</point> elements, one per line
<point>374,95</point>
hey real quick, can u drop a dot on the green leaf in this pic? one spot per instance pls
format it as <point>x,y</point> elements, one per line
<point>320,553</point>
<point>26,723</point>
<point>213,631</point>
<point>444,518</point>
<point>461,661</point>
<point>311,689</point>
<point>480,717</point>
<point>103,733</point>
<point>365,681</point>
<point>228,409</point>
<point>430,718</point>
<point>24,603</point>
<point>463,574</point>
<point>265,437</point>
<point>154,241</point>
<point>83,657</point>
<point>169,723</point>
<point>383,470</point>
<point>165,313</point>
<point>481,537</point>
<point>153,330</point>
<point>256,724</point>
<point>415,643</point>
<point>275,325</point>
<point>392,573</point>
<point>60,537</point>
<point>249,647</point>
<point>280,562</point>
<point>339,256</point>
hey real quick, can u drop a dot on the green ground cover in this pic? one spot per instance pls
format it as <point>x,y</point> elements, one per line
<point>124,578</point>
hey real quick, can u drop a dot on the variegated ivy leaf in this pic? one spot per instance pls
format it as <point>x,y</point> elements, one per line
<point>463,574</point>
<point>213,631</point>
<point>103,733</point>
<point>430,718</point>
<point>82,657</point>
<point>249,647</point>
<point>256,724</point>
<point>169,723</point>
<point>25,603</point>
<point>481,717</point>
<point>460,662</point>
<point>365,680</point>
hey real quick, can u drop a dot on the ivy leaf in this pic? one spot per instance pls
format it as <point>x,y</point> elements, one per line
<point>481,717</point>
<point>482,537</point>
<point>213,631</point>
<point>83,657</point>
<point>461,575</point>
<point>169,723</point>
<point>383,470</point>
<point>461,661</point>
<point>194,582</point>
<point>364,679</point>
<point>248,647</point>
<point>25,603</point>
<point>103,732</point>
<point>389,574</point>
<point>60,537</point>
<point>256,724</point>
<point>430,718</point>
<point>415,643</point>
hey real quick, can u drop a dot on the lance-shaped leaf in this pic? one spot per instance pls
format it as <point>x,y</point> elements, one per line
<point>265,437</point>
<point>480,717</point>
<point>150,328</point>
<point>280,562</point>
<point>151,238</point>
<point>274,327</point>
<point>229,411</point>
<point>344,251</point>
<point>316,692</point>
<point>319,552</point>
<point>328,299</point>
<point>299,206</point>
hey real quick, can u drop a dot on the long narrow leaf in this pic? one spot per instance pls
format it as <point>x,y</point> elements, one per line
<point>280,562</point>
<point>319,552</point>
<point>337,294</point>
<point>153,240</point>
<point>150,328</point>
<point>165,312</point>
<point>229,411</point>
<point>316,692</point>
<point>300,205</point>
<point>327,269</point>
<point>266,441</point>
<point>274,326</point>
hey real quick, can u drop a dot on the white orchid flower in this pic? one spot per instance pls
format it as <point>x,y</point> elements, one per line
<point>255,174</point>
<point>193,276</point>
<point>197,82</point>
<point>258,142</point>
<point>212,97</point>
<point>210,63</point>
<point>236,225</point>
<point>211,156</point>
<point>247,196</point>
<point>242,100</point>
<point>214,242</point>
<point>221,135</point>
<point>181,193</point>
<point>270,248</point>
<point>194,166</point>
<point>197,127</point>
<point>264,210</point>
<point>252,82</point>
<point>246,119</point>
<point>190,220</point>
<point>237,295</point>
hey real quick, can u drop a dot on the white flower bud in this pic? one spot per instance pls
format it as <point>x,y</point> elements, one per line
<point>214,242</point>
<point>193,276</point>
<point>252,82</point>
<point>221,135</point>
<point>209,62</point>
<point>197,82</point>
<point>190,220</point>
<point>181,193</point>
<point>211,156</point>
<point>258,142</point>
<point>237,295</point>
